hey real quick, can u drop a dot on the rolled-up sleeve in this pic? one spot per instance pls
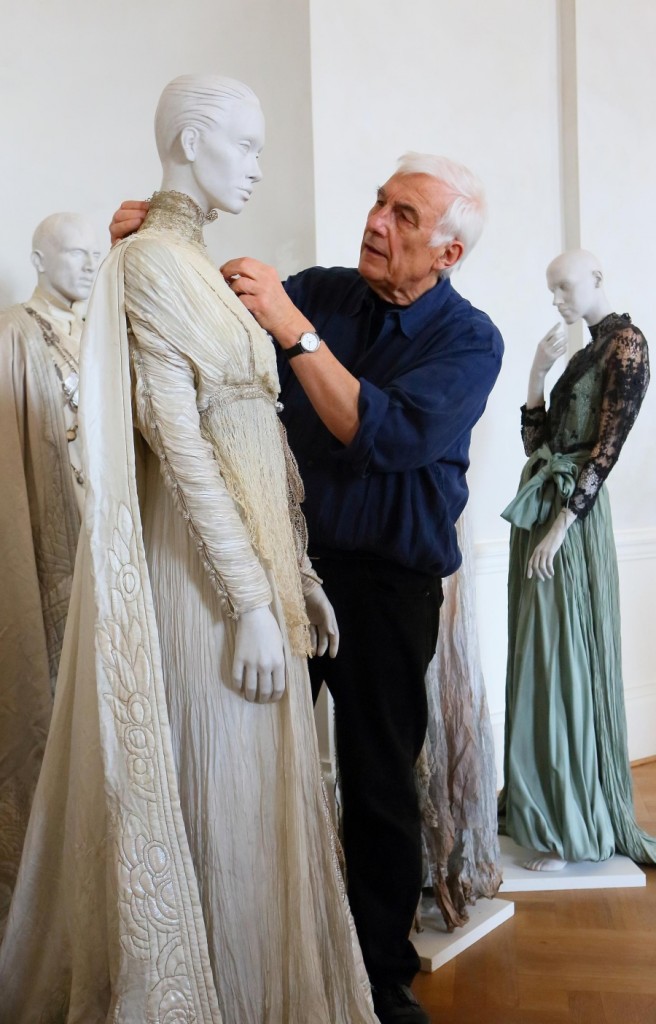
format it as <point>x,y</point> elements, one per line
<point>418,418</point>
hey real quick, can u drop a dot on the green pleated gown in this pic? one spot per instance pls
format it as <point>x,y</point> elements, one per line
<point>568,785</point>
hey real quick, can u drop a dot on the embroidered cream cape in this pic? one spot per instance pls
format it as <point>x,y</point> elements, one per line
<point>107,921</point>
<point>39,525</point>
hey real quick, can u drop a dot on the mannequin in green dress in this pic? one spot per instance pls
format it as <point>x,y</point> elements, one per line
<point>568,791</point>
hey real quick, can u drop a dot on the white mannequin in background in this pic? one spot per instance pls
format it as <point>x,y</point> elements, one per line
<point>40,505</point>
<point>65,255</point>
<point>183,759</point>
<point>575,280</point>
<point>568,789</point>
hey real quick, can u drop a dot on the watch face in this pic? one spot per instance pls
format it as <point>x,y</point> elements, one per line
<point>310,341</point>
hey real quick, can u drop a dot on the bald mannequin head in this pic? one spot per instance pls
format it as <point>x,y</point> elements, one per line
<point>577,282</point>
<point>210,132</point>
<point>65,254</point>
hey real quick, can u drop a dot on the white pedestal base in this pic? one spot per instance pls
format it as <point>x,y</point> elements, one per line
<point>617,873</point>
<point>436,946</point>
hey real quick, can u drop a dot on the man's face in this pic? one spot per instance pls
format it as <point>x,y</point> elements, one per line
<point>396,258</point>
<point>571,279</point>
<point>69,260</point>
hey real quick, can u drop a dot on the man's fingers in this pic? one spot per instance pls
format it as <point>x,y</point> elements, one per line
<point>133,204</point>
<point>243,266</point>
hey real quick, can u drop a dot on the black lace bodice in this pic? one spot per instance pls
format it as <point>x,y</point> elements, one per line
<point>593,405</point>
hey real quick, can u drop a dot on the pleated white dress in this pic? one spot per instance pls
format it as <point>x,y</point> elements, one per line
<point>221,533</point>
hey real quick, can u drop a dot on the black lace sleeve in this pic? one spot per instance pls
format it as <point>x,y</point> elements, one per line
<point>627,377</point>
<point>534,427</point>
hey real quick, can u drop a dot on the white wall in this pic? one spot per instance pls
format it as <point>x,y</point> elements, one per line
<point>79,84</point>
<point>480,81</point>
<point>348,85</point>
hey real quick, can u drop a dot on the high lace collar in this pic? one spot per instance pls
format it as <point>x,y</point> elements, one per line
<point>608,324</point>
<point>179,213</point>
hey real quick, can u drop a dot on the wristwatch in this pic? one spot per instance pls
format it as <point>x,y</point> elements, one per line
<point>309,341</point>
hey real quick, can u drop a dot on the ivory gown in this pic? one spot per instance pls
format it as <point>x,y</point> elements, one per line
<point>40,506</point>
<point>254,846</point>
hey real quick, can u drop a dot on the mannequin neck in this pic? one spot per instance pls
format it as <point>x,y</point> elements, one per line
<point>176,178</point>
<point>599,310</point>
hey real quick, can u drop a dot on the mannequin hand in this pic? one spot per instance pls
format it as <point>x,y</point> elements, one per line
<point>542,559</point>
<point>259,288</point>
<point>129,216</point>
<point>323,624</point>
<point>550,348</point>
<point>258,668</point>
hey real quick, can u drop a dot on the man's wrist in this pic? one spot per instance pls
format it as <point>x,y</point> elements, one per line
<point>289,335</point>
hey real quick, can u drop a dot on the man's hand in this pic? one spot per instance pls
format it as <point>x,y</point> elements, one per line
<point>259,288</point>
<point>323,624</point>
<point>258,667</point>
<point>541,561</point>
<point>128,218</point>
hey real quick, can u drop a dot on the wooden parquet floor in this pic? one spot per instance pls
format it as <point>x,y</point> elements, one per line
<point>586,957</point>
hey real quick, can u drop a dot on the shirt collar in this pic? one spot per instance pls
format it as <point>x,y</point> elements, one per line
<point>413,318</point>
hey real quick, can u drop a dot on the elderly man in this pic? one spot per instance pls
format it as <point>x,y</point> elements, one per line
<point>384,372</point>
<point>40,506</point>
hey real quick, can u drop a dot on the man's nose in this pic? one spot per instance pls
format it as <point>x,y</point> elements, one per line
<point>256,172</point>
<point>378,219</point>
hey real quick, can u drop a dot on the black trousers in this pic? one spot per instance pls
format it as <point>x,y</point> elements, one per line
<point>388,621</point>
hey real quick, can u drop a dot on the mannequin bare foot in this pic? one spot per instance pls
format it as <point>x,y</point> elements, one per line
<point>547,862</point>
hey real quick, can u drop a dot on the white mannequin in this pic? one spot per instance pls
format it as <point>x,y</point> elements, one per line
<point>213,158</point>
<point>575,279</point>
<point>65,254</point>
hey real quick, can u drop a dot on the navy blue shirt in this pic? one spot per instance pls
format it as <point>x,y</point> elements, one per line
<point>425,373</point>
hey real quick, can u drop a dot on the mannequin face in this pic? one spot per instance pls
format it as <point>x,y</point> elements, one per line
<point>575,283</point>
<point>67,260</point>
<point>225,157</point>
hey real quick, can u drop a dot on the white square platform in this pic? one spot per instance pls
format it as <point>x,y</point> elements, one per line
<point>616,873</point>
<point>436,946</point>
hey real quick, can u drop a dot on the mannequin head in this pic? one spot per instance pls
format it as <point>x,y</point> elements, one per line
<point>210,132</point>
<point>65,253</point>
<point>577,282</point>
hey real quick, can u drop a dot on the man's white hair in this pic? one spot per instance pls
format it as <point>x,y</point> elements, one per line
<point>464,217</point>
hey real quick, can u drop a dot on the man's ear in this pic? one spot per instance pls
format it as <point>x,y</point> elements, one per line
<point>449,255</point>
<point>598,277</point>
<point>189,137</point>
<point>36,258</point>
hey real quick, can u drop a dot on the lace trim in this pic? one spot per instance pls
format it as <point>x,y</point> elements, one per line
<point>177,212</point>
<point>617,364</point>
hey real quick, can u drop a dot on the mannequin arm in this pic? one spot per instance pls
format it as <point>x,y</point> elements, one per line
<point>550,348</point>
<point>258,667</point>
<point>323,624</point>
<point>542,559</point>
<point>128,218</point>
